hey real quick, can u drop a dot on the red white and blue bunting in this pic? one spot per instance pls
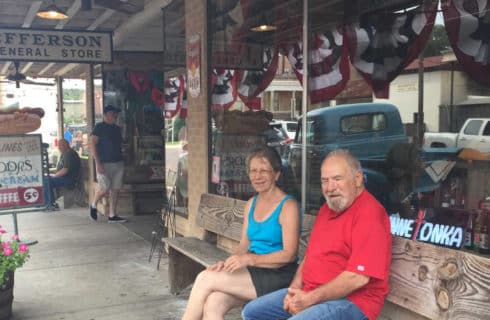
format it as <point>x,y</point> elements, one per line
<point>251,84</point>
<point>329,64</point>
<point>468,27</point>
<point>223,88</point>
<point>382,45</point>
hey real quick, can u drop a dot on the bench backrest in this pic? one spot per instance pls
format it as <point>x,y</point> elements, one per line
<point>420,276</point>
<point>224,216</point>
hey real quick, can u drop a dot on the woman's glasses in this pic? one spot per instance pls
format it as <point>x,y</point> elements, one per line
<point>261,172</point>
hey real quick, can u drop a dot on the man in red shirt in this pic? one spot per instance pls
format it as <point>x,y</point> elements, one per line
<point>345,272</point>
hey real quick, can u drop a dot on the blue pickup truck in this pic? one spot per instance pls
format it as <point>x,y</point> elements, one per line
<point>369,130</point>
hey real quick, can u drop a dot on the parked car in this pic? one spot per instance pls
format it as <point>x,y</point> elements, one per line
<point>289,127</point>
<point>475,134</point>
<point>368,130</point>
<point>277,137</point>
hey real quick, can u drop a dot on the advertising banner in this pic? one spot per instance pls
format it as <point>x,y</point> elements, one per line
<point>194,66</point>
<point>21,171</point>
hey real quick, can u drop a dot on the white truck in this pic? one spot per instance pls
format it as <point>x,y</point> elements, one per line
<point>475,134</point>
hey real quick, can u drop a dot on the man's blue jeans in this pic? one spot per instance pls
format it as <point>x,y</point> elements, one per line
<point>56,182</point>
<point>269,307</point>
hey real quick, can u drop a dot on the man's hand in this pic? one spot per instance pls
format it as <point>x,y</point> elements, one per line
<point>100,168</point>
<point>296,300</point>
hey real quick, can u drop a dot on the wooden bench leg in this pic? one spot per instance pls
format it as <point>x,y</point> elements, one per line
<point>182,271</point>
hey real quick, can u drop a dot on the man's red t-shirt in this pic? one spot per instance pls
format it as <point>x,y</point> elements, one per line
<point>359,241</point>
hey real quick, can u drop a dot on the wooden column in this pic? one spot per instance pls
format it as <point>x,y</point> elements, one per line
<point>90,115</point>
<point>197,120</point>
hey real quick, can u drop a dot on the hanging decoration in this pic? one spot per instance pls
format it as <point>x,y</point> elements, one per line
<point>383,44</point>
<point>157,97</point>
<point>183,110</point>
<point>468,27</point>
<point>194,65</point>
<point>251,84</point>
<point>173,96</point>
<point>329,64</point>
<point>223,88</point>
<point>227,31</point>
<point>139,81</point>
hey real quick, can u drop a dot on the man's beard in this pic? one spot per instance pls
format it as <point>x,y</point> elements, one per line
<point>337,204</point>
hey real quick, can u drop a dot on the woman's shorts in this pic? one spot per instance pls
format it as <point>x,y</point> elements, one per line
<point>266,280</point>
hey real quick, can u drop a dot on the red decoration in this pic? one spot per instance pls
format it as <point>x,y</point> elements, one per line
<point>381,47</point>
<point>224,91</point>
<point>253,83</point>
<point>157,97</point>
<point>173,96</point>
<point>140,81</point>
<point>468,28</point>
<point>329,65</point>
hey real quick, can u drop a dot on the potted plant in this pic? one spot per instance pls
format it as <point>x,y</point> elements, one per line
<point>13,254</point>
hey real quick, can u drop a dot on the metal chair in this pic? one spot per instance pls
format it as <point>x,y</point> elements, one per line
<point>165,224</point>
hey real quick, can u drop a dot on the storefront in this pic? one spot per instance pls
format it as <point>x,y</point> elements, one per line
<point>424,191</point>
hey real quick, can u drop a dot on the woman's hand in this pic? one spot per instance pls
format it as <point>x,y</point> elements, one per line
<point>238,261</point>
<point>218,266</point>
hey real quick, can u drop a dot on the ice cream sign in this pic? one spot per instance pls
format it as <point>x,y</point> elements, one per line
<point>21,171</point>
<point>420,229</point>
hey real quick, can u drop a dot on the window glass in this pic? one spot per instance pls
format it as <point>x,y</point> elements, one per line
<point>379,125</point>
<point>486,131</point>
<point>473,127</point>
<point>362,123</point>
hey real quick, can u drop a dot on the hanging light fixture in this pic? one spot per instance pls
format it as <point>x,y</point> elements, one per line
<point>263,24</point>
<point>52,12</point>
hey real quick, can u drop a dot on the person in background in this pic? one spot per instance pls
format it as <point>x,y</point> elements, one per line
<point>67,134</point>
<point>67,171</point>
<point>77,142</point>
<point>106,149</point>
<point>265,258</point>
<point>182,176</point>
<point>344,274</point>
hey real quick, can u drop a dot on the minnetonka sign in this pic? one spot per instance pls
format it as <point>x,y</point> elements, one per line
<point>55,45</point>
<point>422,230</point>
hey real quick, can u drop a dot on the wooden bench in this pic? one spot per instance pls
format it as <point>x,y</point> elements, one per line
<point>72,196</point>
<point>426,281</point>
<point>222,220</point>
<point>433,282</point>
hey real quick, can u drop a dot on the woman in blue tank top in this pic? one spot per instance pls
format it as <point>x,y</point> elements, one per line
<point>265,259</point>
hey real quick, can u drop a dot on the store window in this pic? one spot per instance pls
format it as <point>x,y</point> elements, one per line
<point>363,91</point>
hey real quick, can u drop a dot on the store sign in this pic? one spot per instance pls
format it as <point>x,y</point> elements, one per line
<point>21,171</point>
<point>55,45</point>
<point>422,230</point>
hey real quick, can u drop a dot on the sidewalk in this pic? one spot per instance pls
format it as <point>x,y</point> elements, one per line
<point>81,270</point>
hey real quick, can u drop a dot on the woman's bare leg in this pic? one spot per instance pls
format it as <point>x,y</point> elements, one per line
<point>218,304</point>
<point>238,284</point>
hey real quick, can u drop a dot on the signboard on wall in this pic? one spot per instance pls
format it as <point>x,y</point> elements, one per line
<point>21,171</point>
<point>194,66</point>
<point>438,226</point>
<point>55,45</point>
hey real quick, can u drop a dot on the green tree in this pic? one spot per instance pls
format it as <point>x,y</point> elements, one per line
<point>438,41</point>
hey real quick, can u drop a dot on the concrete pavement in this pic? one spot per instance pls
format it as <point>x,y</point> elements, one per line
<point>84,270</point>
